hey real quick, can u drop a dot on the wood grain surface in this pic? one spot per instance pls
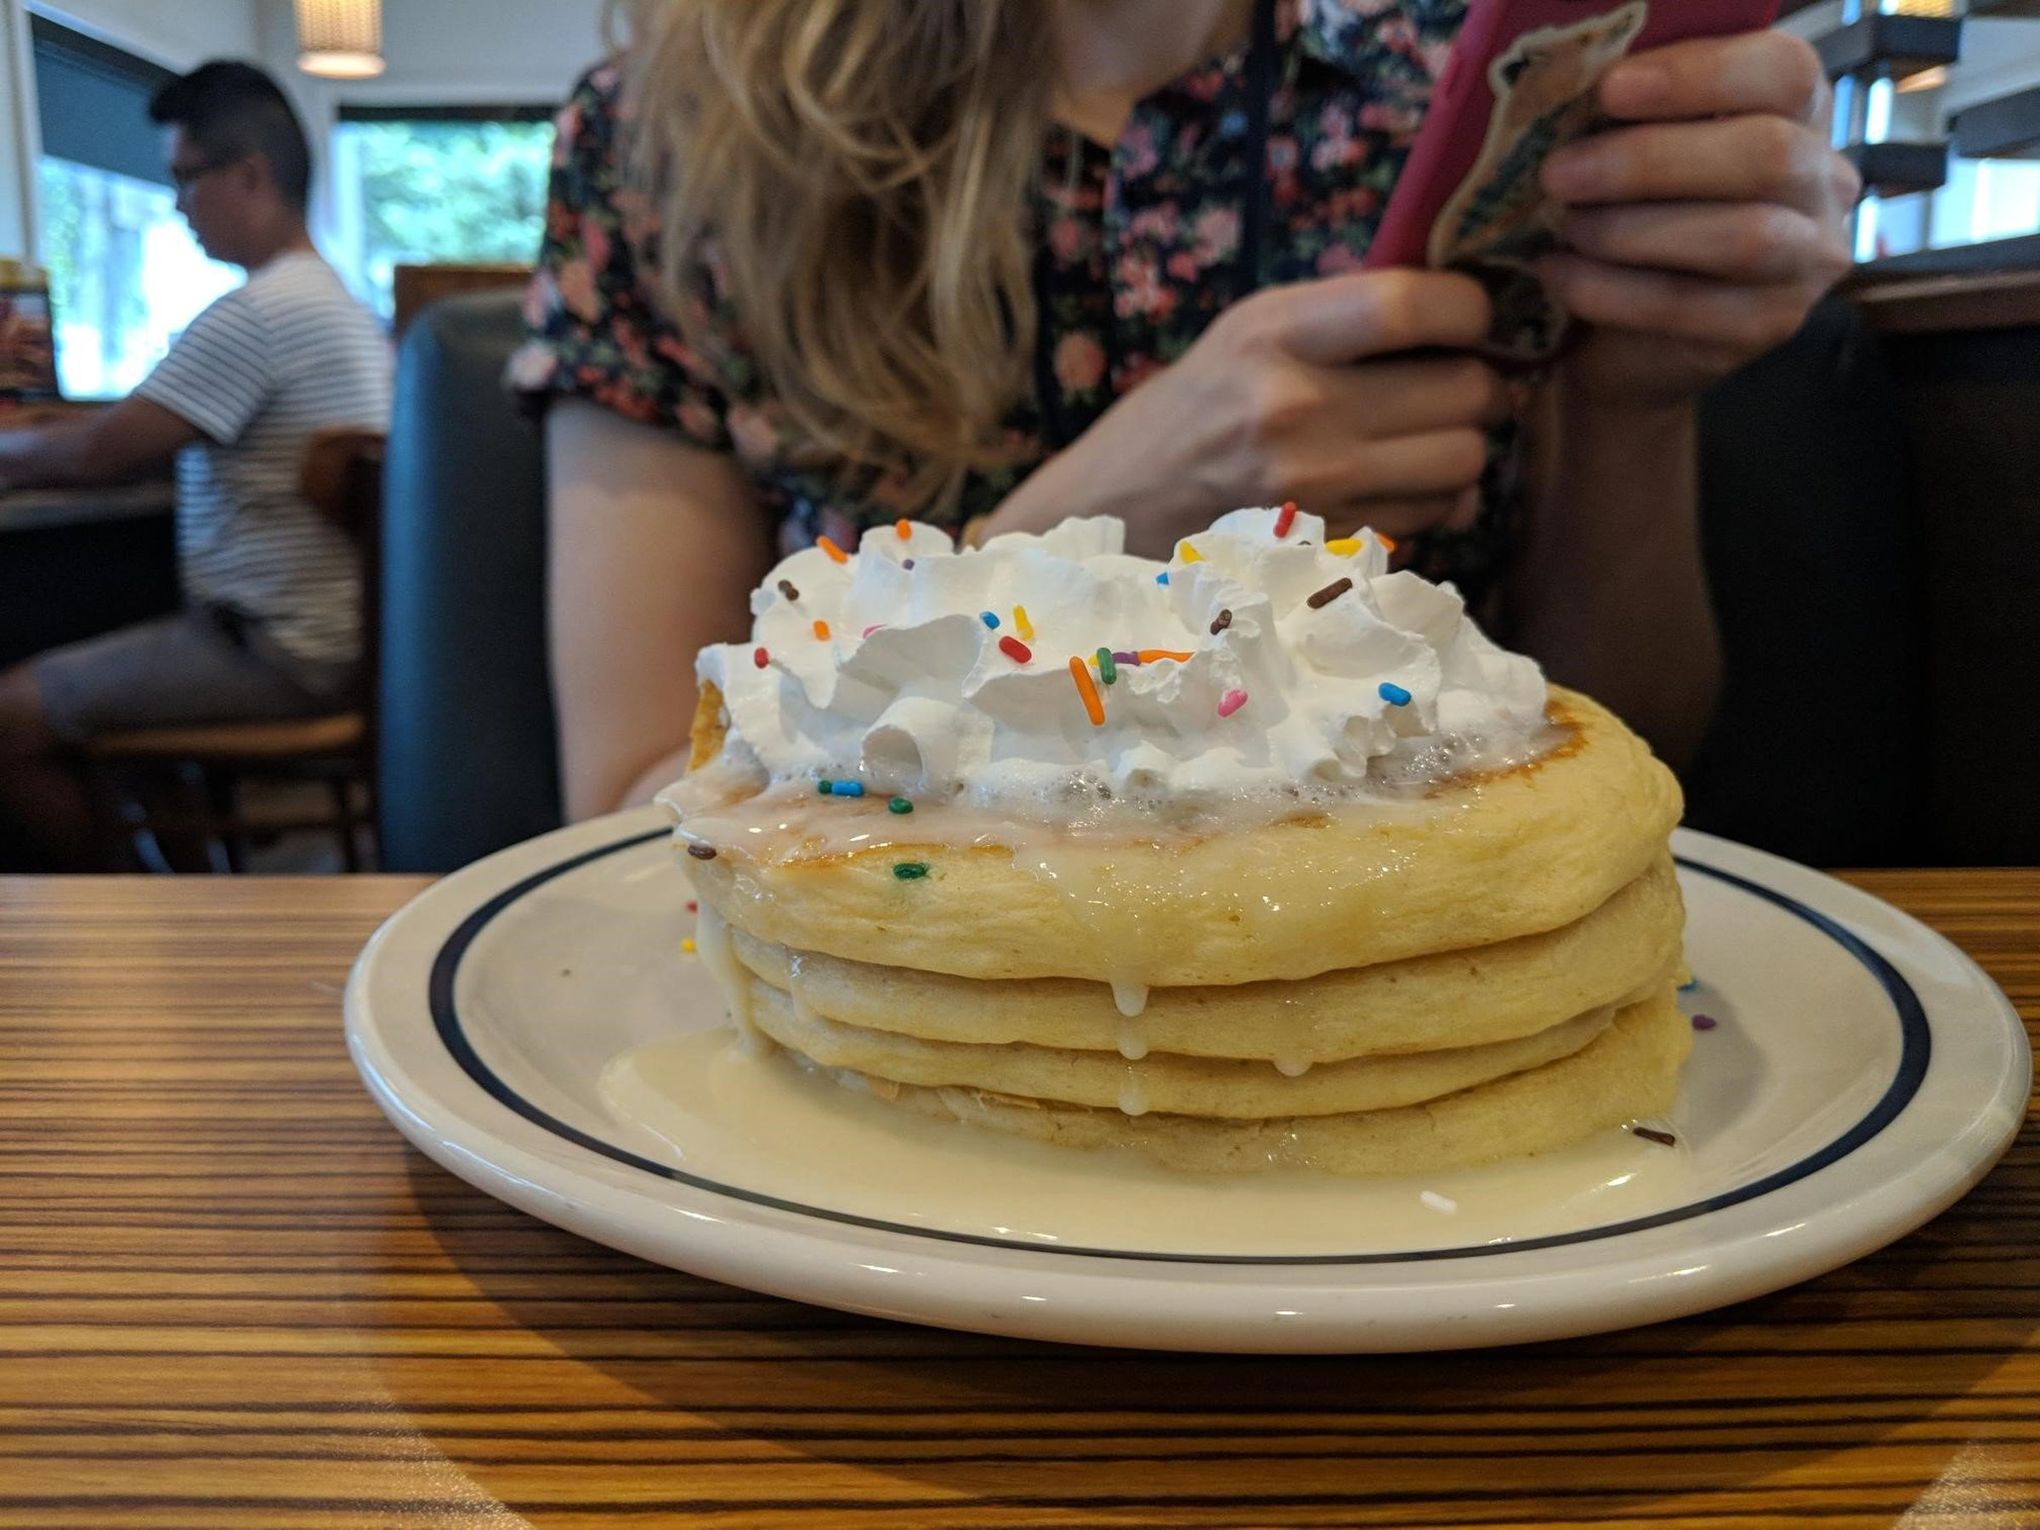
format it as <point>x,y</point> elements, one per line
<point>231,1296</point>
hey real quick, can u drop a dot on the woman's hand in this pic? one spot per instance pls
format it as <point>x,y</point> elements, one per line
<point>1327,392</point>
<point>1702,233</point>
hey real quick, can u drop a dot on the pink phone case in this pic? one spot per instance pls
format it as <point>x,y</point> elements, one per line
<point>1518,86</point>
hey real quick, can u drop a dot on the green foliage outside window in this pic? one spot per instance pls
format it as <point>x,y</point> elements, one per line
<point>443,191</point>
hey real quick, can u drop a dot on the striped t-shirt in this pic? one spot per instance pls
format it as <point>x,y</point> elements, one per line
<point>287,354</point>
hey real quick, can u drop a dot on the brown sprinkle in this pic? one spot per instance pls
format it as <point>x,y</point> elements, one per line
<point>1220,622</point>
<point>702,852</point>
<point>786,588</point>
<point>1328,594</point>
<point>1652,1134</point>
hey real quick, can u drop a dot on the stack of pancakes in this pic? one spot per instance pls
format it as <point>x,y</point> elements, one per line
<point>1483,970</point>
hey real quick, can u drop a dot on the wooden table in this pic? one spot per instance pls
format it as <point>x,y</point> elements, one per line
<point>232,1296</point>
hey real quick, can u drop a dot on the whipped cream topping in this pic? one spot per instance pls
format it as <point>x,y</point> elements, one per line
<point>886,668</point>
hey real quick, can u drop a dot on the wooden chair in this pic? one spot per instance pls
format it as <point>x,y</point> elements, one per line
<point>185,782</point>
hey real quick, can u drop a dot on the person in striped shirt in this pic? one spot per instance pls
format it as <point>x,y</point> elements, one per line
<point>270,625</point>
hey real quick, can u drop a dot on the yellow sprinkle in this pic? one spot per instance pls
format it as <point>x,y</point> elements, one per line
<point>1343,547</point>
<point>1022,625</point>
<point>687,946</point>
<point>1190,554</point>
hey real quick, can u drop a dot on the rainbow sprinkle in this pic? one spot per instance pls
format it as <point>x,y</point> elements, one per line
<point>1328,594</point>
<point>990,619</point>
<point>910,871</point>
<point>693,907</point>
<point>786,588</point>
<point>874,627</point>
<point>1387,543</point>
<point>687,946</point>
<point>1343,547</point>
<point>899,805</point>
<point>1231,702</point>
<point>1704,1022</point>
<point>1149,655</point>
<point>822,786</point>
<point>1189,554</point>
<point>1285,518</point>
<point>822,631</point>
<point>760,657</point>
<point>702,852</point>
<point>1162,577</point>
<point>1125,657</point>
<point>1394,694</point>
<point>846,788</point>
<point>1087,691</point>
<point>1220,622</point>
<point>906,563</point>
<point>1022,625</point>
<point>836,554</point>
<point>904,528</point>
<point>1108,667</point>
<point>1016,650</point>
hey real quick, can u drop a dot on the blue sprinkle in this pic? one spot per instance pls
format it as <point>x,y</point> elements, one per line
<point>1689,985</point>
<point>988,618</point>
<point>1162,577</point>
<point>846,788</point>
<point>1232,124</point>
<point>1394,695</point>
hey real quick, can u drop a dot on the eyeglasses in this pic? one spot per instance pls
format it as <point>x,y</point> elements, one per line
<point>184,177</point>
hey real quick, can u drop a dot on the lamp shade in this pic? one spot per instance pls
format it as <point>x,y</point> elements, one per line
<point>340,39</point>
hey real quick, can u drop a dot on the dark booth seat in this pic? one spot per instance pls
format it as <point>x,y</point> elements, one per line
<point>1818,752</point>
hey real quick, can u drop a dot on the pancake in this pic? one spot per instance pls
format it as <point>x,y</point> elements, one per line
<point>1476,861</point>
<point>1308,874</point>
<point>1630,1071</point>
<point>1160,1081</point>
<point>1447,999</point>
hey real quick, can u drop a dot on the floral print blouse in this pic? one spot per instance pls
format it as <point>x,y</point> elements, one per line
<point>1140,245</point>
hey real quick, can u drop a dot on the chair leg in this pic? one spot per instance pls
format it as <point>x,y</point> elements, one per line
<point>226,838</point>
<point>345,821</point>
<point>121,822</point>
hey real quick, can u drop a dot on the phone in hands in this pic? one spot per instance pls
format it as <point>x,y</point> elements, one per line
<point>1520,84</point>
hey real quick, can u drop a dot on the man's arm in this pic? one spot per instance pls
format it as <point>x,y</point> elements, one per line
<point>107,446</point>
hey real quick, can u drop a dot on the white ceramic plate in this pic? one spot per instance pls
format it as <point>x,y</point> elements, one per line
<point>533,1024</point>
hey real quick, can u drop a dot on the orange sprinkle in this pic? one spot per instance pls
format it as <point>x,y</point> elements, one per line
<point>905,528</point>
<point>1149,655</point>
<point>1387,543</point>
<point>1024,626</point>
<point>822,631</point>
<point>836,554</point>
<point>1087,688</point>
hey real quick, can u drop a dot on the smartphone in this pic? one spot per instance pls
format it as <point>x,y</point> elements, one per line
<point>1520,85</point>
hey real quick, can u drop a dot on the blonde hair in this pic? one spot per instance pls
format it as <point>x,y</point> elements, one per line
<point>862,167</point>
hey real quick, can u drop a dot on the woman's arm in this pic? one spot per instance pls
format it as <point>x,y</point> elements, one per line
<point>1700,230</point>
<point>655,548</point>
<point>1609,593</point>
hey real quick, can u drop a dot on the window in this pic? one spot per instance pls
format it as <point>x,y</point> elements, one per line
<point>414,185</point>
<point>125,274</point>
